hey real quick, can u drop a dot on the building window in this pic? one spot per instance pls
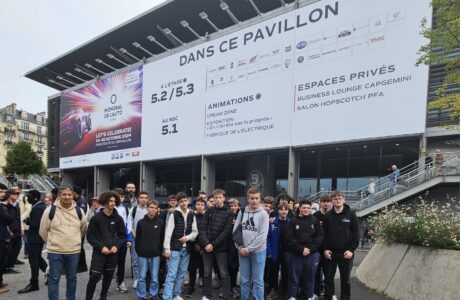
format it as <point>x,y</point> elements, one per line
<point>9,139</point>
<point>39,130</point>
<point>24,115</point>
<point>25,136</point>
<point>24,126</point>
<point>40,150</point>
<point>39,119</point>
<point>39,140</point>
<point>9,118</point>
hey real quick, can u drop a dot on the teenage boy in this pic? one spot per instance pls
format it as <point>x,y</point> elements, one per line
<point>254,228</point>
<point>15,227</point>
<point>214,234</point>
<point>149,246</point>
<point>181,230</point>
<point>341,240</point>
<point>325,205</point>
<point>107,234</point>
<point>196,260</point>
<point>137,213</point>
<point>304,236</point>
<point>123,212</point>
<point>35,242</point>
<point>232,253</point>
<point>276,249</point>
<point>5,221</point>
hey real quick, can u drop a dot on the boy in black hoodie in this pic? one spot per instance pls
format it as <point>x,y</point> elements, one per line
<point>341,238</point>
<point>106,233</point>
<point>149,247</point>
<point>304,236</point>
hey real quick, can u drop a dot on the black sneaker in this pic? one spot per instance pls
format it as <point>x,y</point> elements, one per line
<point>189,293</point>
<point>18,262</point>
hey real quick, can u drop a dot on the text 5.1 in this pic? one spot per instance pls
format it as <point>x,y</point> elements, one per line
<point>166,129</point>
<point>176,92</point>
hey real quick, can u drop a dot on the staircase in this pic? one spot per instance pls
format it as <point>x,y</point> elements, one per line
<point>32,182</point>
<point>414,178</point>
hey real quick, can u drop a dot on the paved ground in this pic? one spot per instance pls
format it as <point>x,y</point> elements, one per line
<point>18,281</point>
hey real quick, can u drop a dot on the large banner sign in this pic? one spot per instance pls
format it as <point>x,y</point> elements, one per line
<point>332,71</point>
<point>101,117</point>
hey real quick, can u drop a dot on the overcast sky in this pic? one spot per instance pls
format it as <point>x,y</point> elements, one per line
<point>35,32</point>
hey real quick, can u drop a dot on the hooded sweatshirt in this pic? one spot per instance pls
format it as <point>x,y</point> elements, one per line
<point>255,225</point>
<point>64,233</point>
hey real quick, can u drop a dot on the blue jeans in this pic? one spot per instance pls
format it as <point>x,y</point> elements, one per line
<point>252,272</point>
<point>302,271</point>
<point>62,263</point>
<point>177,267</point>
<point>153,263</point>
<point>134,265</point>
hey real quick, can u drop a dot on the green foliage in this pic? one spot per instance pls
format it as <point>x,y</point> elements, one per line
<point>22,160</point>
<point>423,224</point>
<point>443,49</point>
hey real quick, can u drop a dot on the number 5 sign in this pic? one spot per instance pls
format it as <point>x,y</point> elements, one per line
<point>255,178</point>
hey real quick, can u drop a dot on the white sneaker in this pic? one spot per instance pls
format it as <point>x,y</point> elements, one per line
<point>201,282</point>
<point>135,284</point>
<point>291,298</point>
<point>122,288</point>
<point>178,298</point>
<point>204,298</point>
<point>334,297</point>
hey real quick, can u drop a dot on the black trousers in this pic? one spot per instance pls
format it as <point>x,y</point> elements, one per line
<point>121,264</point>
<point>196,263</point>
<point>330,268</point>
<point>274,270</point>
<point>101,266</point>
<point>2,259</point>
<point>36,262</point>
<point>16,245</point>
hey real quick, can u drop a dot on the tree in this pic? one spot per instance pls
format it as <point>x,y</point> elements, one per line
<point>444,49</point>
<point>22,160</point>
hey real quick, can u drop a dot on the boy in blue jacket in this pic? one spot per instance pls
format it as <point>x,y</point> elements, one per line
<point>276,248</point>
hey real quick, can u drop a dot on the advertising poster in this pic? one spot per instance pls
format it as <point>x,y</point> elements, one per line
<point>101,117</point>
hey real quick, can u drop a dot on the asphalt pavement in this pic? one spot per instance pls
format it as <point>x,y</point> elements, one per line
<point>19,281</point>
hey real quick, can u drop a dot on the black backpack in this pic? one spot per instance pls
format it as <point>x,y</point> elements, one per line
<point>53,212</point>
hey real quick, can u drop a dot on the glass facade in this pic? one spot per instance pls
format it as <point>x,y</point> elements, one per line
<point>179,176</point>
<point>349,168</point>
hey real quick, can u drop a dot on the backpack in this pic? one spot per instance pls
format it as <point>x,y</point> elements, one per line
<point>53,212</point>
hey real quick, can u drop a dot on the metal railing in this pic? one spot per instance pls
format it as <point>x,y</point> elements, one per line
<point>410,176</point>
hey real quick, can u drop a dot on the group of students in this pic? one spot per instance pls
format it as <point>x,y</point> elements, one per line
<point>260,241</point>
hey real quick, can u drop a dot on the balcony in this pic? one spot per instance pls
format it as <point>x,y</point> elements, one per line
<point>41,143</point>
<point>9,131</point>
<point>29,140</point>
<point>9,142</point>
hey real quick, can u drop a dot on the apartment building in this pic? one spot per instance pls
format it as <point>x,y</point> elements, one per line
<point>18,125</point>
